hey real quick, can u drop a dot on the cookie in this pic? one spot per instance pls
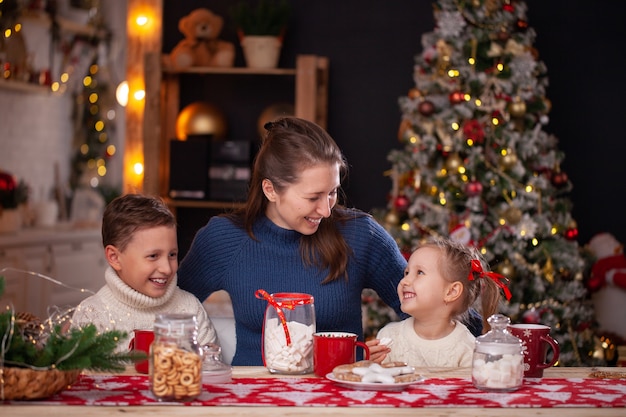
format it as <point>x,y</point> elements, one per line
<point>369,371</point>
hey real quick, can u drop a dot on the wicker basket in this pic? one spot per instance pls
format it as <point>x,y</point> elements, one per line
<point>28,384</point>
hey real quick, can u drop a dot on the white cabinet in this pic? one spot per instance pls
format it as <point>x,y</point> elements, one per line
<point>72,259</point>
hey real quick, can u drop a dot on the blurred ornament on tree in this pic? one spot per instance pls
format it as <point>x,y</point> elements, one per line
<point>473,188</point>
<point>454,162</point>
<point>426,108</point>
<point>508,160</point>
<point>392,218</point>
<point>559,179</point>
<point>517,107</point>
<point>531,316</point>
<point>512,215</point>
<point>506,268</point>
<point>456,97</point>
<point>414,93</point>
<point>401,203</point>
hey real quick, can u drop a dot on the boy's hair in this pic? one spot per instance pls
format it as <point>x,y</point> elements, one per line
<point>456,265</point>
<point>131,212</point>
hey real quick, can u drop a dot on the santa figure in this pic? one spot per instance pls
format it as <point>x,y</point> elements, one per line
<point>610,266</point>
<point>608,283</point>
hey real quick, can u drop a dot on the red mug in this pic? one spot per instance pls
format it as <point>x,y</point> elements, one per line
<point>535,342</point>
<point>142,341</point>
<point>331,349</point>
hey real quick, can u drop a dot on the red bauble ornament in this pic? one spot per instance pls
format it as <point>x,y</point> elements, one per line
<point>456,97</point>
<point>531,316</point>
<point>559,179</point>
<point>508,8</point>
<point>426,108</point>
<point>401,203</point>
<point>473,188</point>
<point>571,233</point>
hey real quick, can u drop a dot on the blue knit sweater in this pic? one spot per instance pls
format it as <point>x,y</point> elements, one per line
<point>223,257</point>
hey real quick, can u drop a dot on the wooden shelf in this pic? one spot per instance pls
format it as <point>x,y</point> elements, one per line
<point>24,87</point>
<point>220,205</point>
<point>162,105</point>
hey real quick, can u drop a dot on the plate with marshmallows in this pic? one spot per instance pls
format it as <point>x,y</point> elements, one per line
<point>368,375</point>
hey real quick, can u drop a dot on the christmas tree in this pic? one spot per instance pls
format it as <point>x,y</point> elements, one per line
<point>478,166</point>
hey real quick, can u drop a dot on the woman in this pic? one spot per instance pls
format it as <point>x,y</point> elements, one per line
<point>293,236</point>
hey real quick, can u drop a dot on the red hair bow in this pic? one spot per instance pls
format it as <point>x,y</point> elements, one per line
<point>478,268</point>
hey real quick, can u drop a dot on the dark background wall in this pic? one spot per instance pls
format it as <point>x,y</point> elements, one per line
<point>371,45</point>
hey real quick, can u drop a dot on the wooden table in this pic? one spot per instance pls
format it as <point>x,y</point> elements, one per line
<point>260,372</point>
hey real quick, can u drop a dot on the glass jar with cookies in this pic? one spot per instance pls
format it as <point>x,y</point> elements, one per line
<point>175,358</point>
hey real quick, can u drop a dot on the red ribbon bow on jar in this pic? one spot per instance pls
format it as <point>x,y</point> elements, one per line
<point>478,268</point>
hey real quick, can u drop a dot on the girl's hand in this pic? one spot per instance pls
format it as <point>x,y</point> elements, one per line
<point>378,351</point>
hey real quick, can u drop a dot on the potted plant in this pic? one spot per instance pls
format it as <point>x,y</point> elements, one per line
<point>261,29</point>
<point>13,193</point>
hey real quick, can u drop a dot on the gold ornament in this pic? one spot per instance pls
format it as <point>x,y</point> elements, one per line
<point>271,113</point>
<point>453,162</point>
<point>392,218</point>
<point>512,215</point>
<point>548,270</point>
<point>506,268</point>
<point>547,105</point>
<point>517,107</point>
<point>200,118</point>
<point>508,160</point>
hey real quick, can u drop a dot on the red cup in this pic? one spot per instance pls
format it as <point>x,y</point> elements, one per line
<point>332,349</point>
<point>536,340</point>
<point>142,341</point>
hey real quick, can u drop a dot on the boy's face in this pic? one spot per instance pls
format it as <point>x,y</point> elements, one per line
<point>149,261</point>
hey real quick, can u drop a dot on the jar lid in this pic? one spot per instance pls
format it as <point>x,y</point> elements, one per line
<point>175,323</point>
<point>498,340</point>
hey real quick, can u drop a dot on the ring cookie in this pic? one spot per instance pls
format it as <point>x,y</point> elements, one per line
<point>176,373</point>
<point>368,371</point>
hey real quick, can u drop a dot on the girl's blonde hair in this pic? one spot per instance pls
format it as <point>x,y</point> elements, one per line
<point>465,264</point>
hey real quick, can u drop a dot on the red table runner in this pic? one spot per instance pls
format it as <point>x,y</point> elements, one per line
<point>124,390</point>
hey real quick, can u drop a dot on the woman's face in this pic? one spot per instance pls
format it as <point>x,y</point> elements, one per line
<point>302,205</point>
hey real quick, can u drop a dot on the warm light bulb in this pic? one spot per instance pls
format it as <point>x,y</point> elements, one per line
<point>141,20</point>
<point>138,168</point>
<point>139,95</point>
<point>121,93</point>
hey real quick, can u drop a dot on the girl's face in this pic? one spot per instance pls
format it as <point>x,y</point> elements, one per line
<point>149,262</point>
<point>423,289</point>
<point>302,205</point>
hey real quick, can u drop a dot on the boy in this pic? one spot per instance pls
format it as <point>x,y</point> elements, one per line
<point>140,245</point>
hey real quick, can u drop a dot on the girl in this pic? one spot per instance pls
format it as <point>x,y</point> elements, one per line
<point>441,282</point>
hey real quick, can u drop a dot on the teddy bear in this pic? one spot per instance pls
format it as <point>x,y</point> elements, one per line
<point>607,283</point>
<point>201,46</point>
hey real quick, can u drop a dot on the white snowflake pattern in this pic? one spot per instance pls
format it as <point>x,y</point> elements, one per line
<point>450,24</point>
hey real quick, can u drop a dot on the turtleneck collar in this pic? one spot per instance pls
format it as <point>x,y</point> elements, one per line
<point>127,295</point>
<point>264,226</point>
